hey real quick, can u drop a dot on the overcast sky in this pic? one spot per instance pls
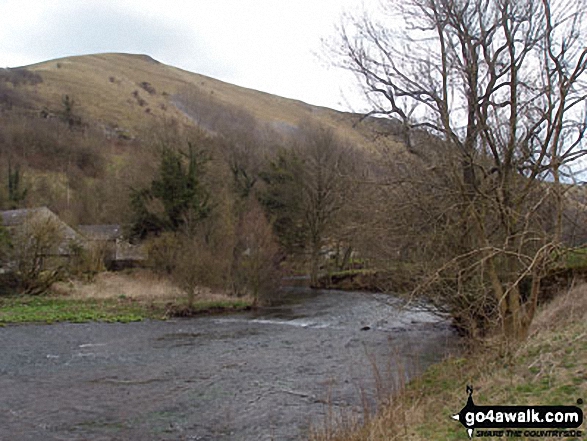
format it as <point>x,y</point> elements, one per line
<point>268,45</point>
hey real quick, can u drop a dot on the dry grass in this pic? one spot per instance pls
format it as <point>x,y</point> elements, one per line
<point>115,297</point>
<point>389,383</point>
<point>102,86</point>
<point>565,309</point>
<point>140,285</point>
<point>549,368</point>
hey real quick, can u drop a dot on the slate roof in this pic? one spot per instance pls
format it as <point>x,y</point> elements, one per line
<point>123,251</point>
<point>12,218</point>
<point>15,218</point>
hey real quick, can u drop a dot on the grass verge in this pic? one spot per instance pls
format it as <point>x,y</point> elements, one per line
<point>549,368</point>
<point>41,309</point>
<point>113,297</point>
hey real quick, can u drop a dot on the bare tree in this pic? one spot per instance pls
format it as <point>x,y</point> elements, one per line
<point>256,270</point>
<point>306,189</point>
<point>37,253</point>
<point>502,84</point>
<point>324,188</point>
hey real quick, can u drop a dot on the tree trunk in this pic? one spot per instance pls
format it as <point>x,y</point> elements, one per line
<point>315,263</point>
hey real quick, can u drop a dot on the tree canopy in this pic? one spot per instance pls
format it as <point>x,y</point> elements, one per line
<point>176,197</point>
<point>500,84</point>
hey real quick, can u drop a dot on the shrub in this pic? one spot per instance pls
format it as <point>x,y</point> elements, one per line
<point>163,251</point>
<point>256,256</point>
<point>148,88</point>
<point>37,254</point>
<point>87,262</point>
<point>20,75</point>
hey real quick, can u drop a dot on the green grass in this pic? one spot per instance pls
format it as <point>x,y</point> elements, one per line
<point>573,258</point>
<point>24,309</point>
<point>46,309</point>
<point>546,369</point>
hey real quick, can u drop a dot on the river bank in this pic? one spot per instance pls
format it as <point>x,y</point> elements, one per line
<point>368,280</point>
<point>404,280</point>
<point>549,368</point>
<point>266,374</point>
<point>115,297</point>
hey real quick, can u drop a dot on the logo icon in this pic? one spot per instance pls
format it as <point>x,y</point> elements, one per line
<point>474,417</point>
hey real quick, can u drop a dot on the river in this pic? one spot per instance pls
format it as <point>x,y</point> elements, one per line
<point>262,375</point>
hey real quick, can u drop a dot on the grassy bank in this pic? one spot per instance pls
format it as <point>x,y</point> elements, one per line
<point>26,309</point>
<point>400,278</point>
<point>549,368</point>
<point>113,297</point>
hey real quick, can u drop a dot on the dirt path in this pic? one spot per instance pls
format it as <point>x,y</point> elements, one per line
<point>241,377</point>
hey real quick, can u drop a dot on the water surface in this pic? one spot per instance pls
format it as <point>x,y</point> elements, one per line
<point>260,375</point>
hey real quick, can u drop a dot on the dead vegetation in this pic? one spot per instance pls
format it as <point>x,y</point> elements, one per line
<point>548,368</point>
<point>139,284</point>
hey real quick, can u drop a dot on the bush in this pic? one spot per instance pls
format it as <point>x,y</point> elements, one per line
<point>256,261</point>
<point>188,261</point>
<point>163,251</point>
<point>148,88</point>
<point>10,98</point>
<point>18,76</point>
<point>88,262</point>
<point>5,245</point>
<point>196,266</point>
<point>37,256</point>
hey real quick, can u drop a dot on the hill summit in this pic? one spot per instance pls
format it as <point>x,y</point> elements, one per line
<point>125,92</point>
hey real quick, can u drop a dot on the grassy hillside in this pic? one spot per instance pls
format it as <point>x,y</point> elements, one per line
<point>127,91</point>
<point>80,157</point>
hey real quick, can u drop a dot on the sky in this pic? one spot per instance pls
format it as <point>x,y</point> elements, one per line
<point>269,45</point>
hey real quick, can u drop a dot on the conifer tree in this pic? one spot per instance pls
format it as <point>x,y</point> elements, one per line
<point>16,194</point>
<point>176,197</point>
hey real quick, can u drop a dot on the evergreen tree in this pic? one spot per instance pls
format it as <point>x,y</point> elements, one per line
<point>282,200</point>
<point>176,198</point>
<point>16,194</point>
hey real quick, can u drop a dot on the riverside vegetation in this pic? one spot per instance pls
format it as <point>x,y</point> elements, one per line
<point>490,96</point>
<point>460,184</point>
<point>214,193</point>
<point>546,369</point>
<point>113,297</point>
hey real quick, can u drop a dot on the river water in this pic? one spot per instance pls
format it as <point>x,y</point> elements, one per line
<point>262,375</point>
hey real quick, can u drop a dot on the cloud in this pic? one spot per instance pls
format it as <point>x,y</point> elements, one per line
<point>262,44</point>
<point>86,27</point>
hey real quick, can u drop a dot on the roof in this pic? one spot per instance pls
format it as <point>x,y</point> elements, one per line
<point>15,218</point>
<point>12,218</point>
<point>101,232</point>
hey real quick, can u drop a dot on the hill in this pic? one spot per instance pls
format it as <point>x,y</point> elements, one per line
<point>81,130</point>
<point>125,92</point>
